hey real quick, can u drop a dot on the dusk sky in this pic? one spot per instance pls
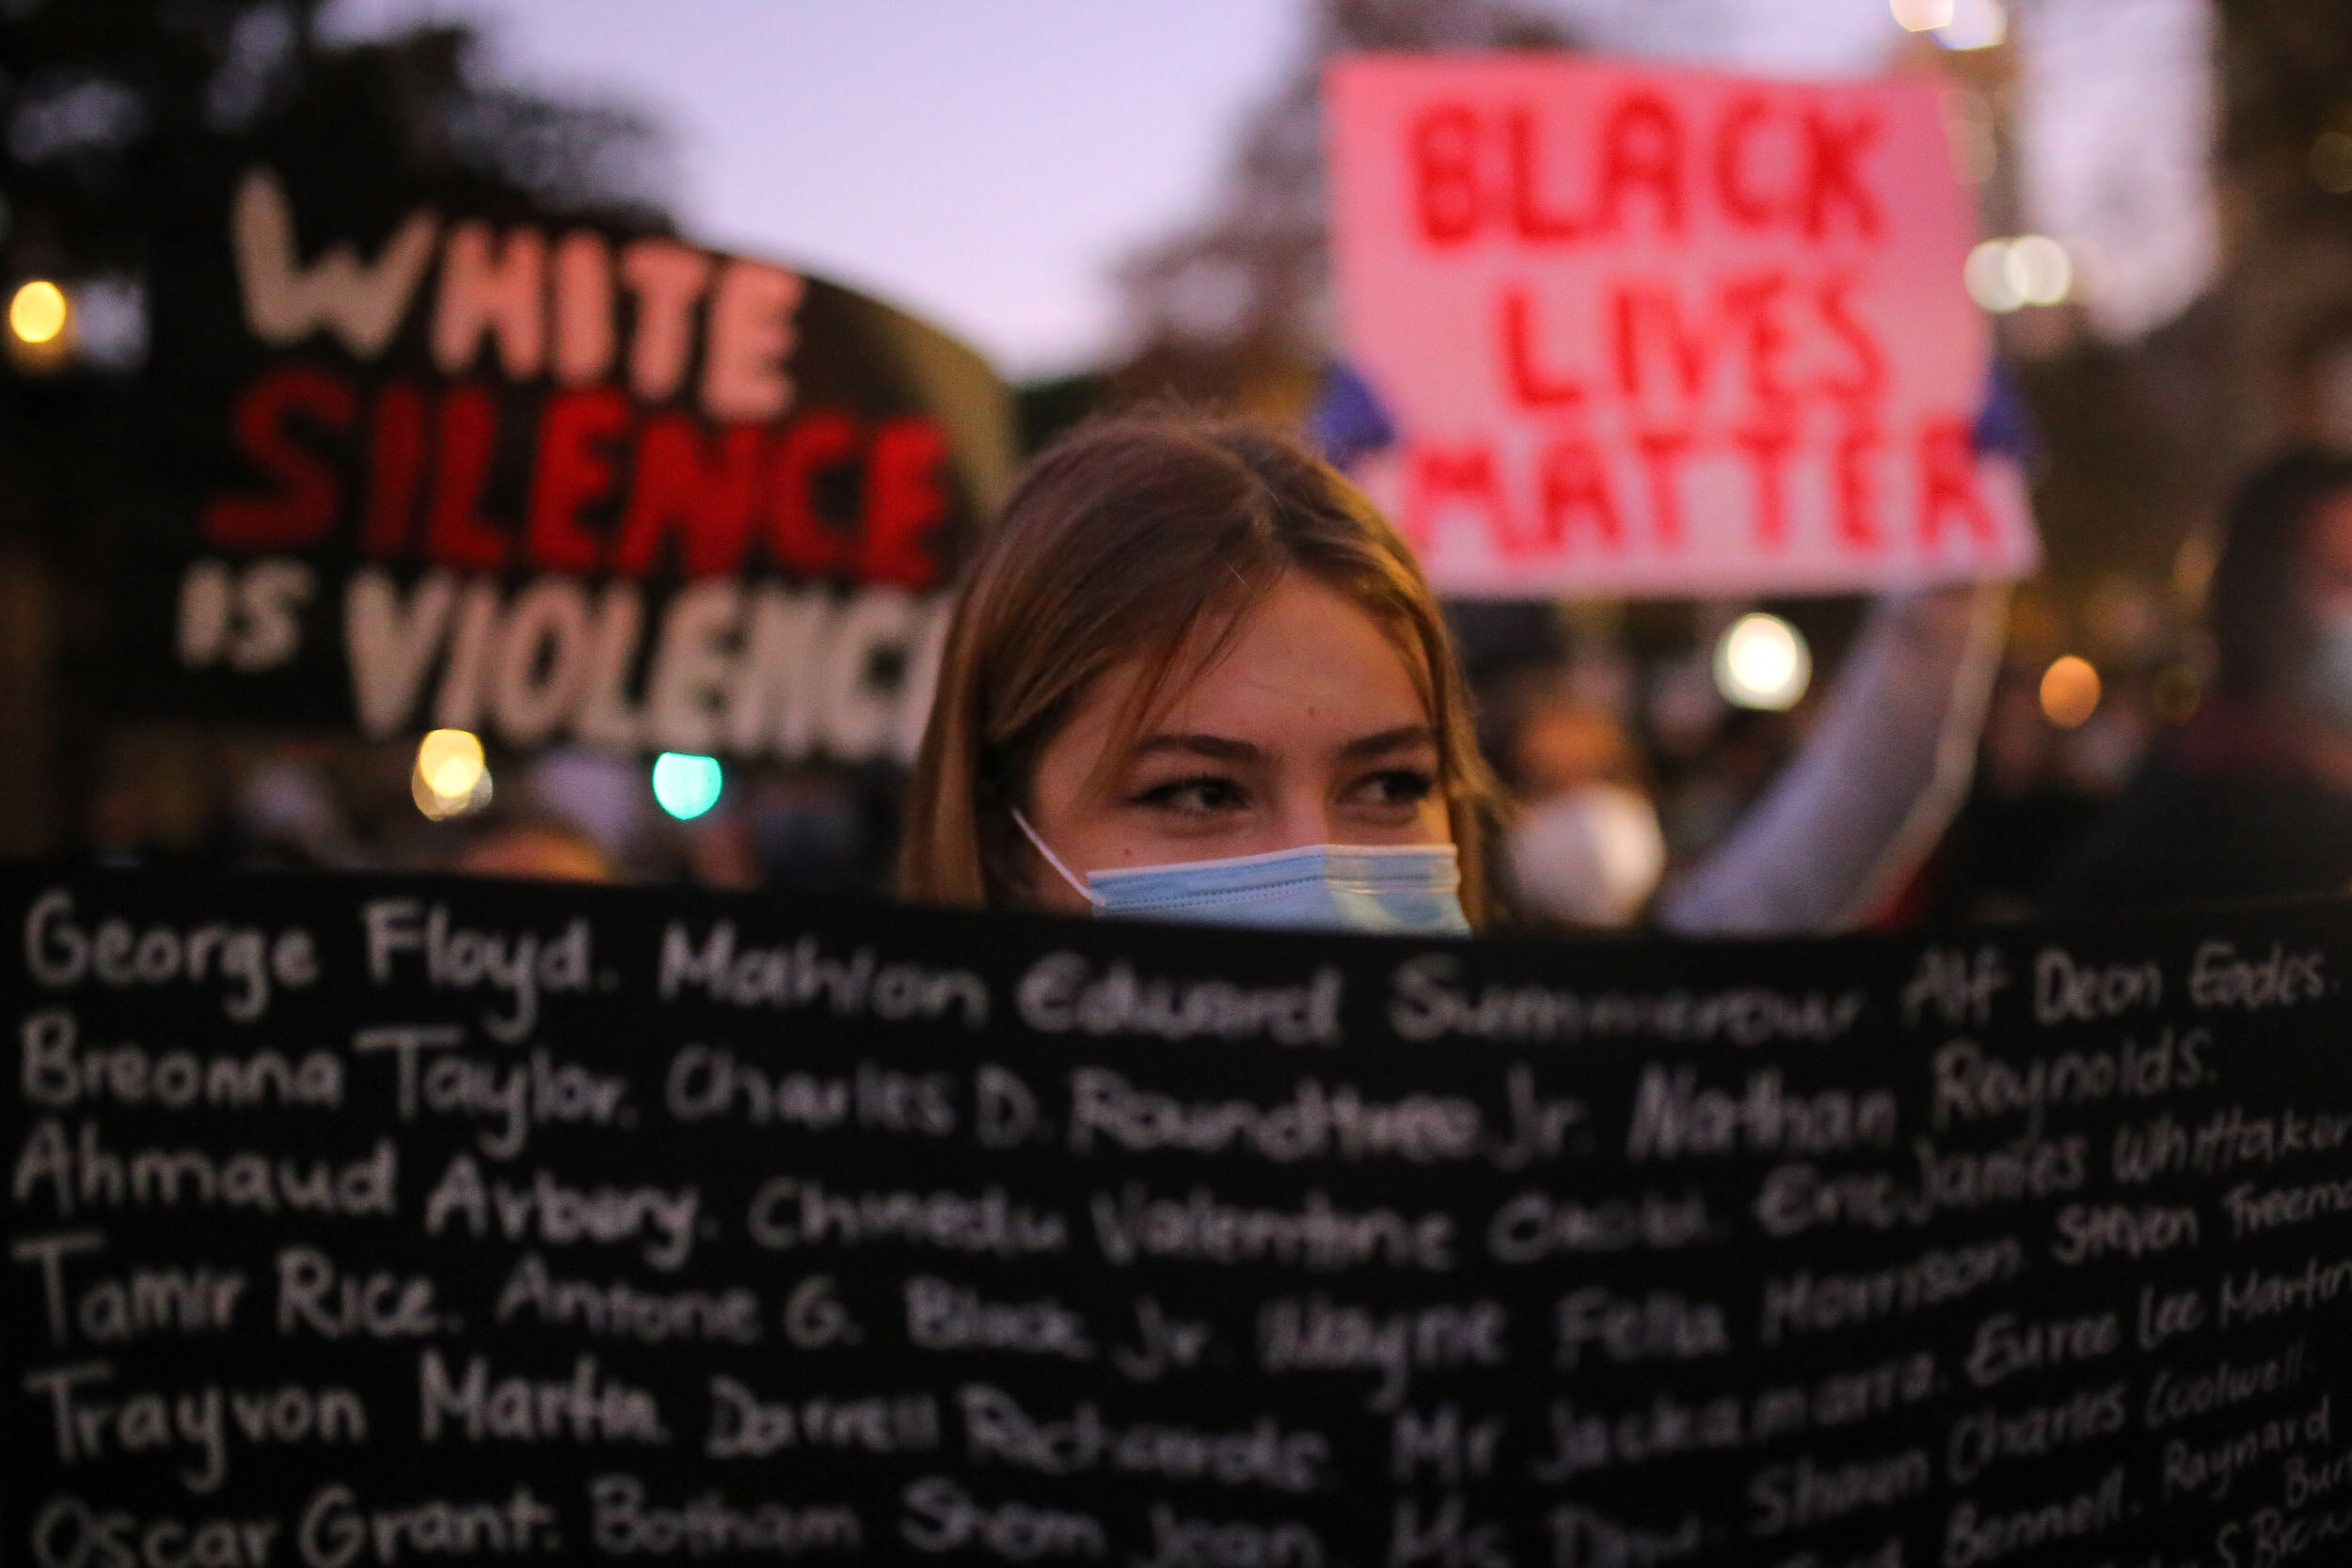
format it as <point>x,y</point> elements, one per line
<point>987,162</point>
<point>984,165</point>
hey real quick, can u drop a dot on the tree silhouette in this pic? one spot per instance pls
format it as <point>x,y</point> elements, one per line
<point>1233,308</point>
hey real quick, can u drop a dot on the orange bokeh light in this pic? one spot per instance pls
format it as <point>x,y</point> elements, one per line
<point>2070,691</point>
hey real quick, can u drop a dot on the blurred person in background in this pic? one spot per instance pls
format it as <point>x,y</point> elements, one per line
<point>286,815</point>
<point>1585,850</point>
<point>1719,778</point>
<point>820,830</point>
<point>2253,797</point>
<point>2027,810</point>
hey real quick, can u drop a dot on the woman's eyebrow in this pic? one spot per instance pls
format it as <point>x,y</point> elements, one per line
<point>1404,736</point>
<point>1223,748</point>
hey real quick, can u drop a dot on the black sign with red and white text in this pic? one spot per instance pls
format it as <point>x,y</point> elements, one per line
<point>428,463</point>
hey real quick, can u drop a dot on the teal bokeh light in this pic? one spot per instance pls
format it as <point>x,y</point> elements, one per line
<point>685,785</point>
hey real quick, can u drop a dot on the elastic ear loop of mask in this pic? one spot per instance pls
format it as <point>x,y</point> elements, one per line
<point>1055,861</point>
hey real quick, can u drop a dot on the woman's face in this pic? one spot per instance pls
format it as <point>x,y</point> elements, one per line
<point>1307,730</point>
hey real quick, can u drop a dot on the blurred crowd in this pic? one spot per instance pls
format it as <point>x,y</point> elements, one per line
<point>1627,762</point>
<point>262,801</point>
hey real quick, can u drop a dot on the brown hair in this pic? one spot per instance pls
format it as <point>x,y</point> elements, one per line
<point>1121,542</point>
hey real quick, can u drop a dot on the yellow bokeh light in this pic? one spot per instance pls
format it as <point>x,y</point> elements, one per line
<point>1762,662</point>
<point>439,807</point>
<point>1987,278</point>
<point>2070,691</point>
<point>1922,16</point>
<point>1974,25</point>
<point>2039,269</point>
<point>37,313</point>
<point>451,763</point>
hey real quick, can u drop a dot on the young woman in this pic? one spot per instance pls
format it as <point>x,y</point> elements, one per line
<point>1193,675</point>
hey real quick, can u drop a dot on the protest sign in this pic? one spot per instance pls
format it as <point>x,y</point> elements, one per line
<point>1652,331</point>
<point>375,1221</point>
<point>428,460</point>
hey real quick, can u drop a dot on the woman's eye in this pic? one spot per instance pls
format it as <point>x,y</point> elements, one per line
<point>1398,786</point>
<point>1194,795</point>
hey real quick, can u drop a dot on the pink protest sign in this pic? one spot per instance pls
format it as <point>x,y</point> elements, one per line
<point>1665,332</point>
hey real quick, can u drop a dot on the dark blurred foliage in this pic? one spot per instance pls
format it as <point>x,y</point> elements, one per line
<point>1046,409</point>
<point>101,97</point>
<point>108,103</point>
<point>2286,76</point>
<point>2146,438</point>
<point>1232,309</point>
<point>2286,82</point>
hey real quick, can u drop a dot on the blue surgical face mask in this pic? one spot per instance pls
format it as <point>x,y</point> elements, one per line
<point>1404,889</point>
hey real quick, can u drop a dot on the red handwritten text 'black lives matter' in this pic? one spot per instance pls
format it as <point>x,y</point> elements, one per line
<point>1770,340</point>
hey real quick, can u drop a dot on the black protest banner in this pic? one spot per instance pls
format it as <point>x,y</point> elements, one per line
<point>378,1222</point>
<point>432,458</point>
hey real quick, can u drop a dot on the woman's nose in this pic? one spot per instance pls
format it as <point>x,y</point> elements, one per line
<point>1306,817</point>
